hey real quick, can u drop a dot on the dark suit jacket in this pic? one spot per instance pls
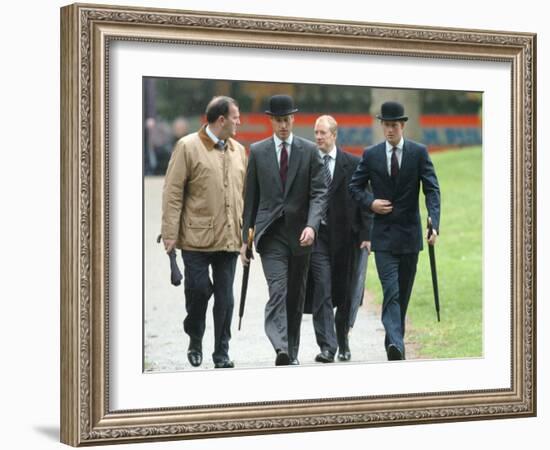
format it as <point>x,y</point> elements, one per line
<point>302,201</point>
<point>399,231</point>
<point>348,225</point>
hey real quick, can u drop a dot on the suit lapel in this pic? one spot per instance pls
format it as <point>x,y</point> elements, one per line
<point>405,162</point>
<point>383,161</point>
<point>339,170</point>
<point>272,163</point>
<point>293,163</point>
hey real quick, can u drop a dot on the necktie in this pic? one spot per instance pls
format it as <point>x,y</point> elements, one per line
<point>283,164</point>
<point>220,145</point>
<point>394,163</point>
<point>328,182</point>
<point>328,176</point>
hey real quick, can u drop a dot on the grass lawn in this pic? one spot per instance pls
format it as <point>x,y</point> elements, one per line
<point>459,264</point>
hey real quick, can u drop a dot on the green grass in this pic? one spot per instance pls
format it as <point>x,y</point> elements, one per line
<point>459,265</point>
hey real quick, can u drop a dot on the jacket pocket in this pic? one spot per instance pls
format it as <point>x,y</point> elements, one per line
<point>199,231</point>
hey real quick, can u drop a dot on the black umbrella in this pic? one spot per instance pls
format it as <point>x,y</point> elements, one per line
<point>434,269</point>
<point>175,274</point>
<point>246,271</point>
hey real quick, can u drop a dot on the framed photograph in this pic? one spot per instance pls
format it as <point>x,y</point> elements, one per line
<point>117,386</point>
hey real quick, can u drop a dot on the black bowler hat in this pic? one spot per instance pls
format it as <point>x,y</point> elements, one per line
<point>281,105</point>
<point>392,111</point>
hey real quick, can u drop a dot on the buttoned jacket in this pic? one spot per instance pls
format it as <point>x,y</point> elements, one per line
<point>400,231</point>
<point>300,202</point>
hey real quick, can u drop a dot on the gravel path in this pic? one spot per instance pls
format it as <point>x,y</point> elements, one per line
<point>164,309</point>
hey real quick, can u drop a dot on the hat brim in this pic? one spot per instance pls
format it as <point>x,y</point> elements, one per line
<point>284,113</point>
<point>392,119</point>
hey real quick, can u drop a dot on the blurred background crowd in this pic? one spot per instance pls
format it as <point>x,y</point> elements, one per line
<point>175,107</point>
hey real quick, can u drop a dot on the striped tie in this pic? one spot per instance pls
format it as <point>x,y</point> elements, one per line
<point>328,183</point>
<point>328,176</point>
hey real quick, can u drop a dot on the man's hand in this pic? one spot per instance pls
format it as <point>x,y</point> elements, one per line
<point>169,244</point>
<point>365,244</point>
<point>307,237</point>
<point>381,206</point>
<point>244,260</point>
<point>431,240</point>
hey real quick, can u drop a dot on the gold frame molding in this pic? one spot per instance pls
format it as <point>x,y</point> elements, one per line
<point>86,31</point>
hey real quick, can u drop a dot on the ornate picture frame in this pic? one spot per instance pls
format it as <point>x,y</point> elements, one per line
<point>87,31</point>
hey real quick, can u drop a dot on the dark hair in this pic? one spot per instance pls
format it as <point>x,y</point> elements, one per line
<point>218,106</point>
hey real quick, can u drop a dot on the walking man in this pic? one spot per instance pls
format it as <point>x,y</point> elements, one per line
<point>202,205</point>
<point>284,200</point>
<point>344,232</point>
<point>395,169</point>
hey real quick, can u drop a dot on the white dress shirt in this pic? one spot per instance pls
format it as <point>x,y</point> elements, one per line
<point>398,152</point>
<point>331,160</point>
<point>278,147</point>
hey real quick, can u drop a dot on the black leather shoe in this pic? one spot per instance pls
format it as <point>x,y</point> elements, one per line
<point>282,358</point>
<point>294,362</point>
<point>394,354</point>
<point>344,356</point>
<point>325,357</point>
<point>225,364</point>
<point>344,353</point>
<point>194,352</point>
<point>194,357</point>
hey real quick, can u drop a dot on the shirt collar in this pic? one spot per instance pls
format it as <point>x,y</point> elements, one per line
<point>278,142</point>
<point>211,135</point>
<point>399,146</point>
<point>332,153</point>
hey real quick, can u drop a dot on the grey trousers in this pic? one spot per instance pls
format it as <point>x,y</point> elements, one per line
<point>322,308</point>
<point>286,277</point>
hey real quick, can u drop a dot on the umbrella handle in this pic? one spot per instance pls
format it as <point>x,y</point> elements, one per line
<point>430,227</point>
<point>249,242</point>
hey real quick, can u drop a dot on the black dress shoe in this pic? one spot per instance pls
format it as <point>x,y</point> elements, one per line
<point>225,364</point>
<point>194,352</point>
<point>194,357</point>
<point>294,362</point>
<point>325,357</point>
<point>344,353</point>
<point>282,358</point>
<point>394,354</point>
<point>344,356</point>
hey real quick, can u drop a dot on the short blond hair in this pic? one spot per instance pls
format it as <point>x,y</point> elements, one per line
<point>330,121</point>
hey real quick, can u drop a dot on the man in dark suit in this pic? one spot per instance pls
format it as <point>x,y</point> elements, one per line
<point>285,196</point>
<point>395,169</point>
<point>344,232</point>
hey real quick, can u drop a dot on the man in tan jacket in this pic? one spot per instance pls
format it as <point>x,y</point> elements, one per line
<point>202,206</point>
